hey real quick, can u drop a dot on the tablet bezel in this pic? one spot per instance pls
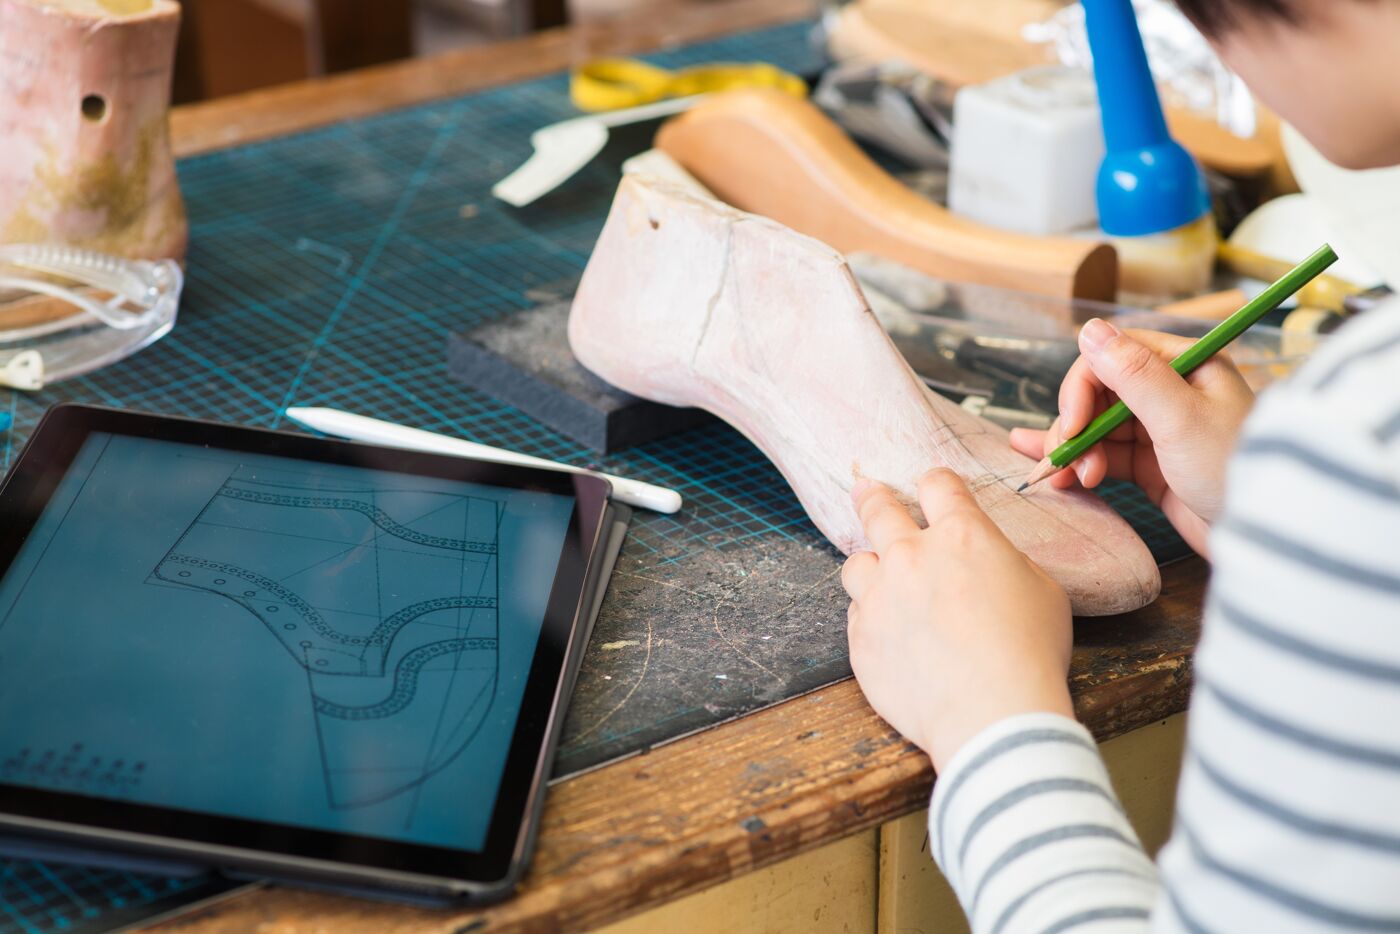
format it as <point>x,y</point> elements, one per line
<point>30,485</point>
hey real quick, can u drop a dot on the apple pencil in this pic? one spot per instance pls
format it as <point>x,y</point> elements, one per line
<point>372,430</point>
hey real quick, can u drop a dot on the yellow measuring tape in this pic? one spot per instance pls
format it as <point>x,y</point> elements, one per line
<point>615,83</point>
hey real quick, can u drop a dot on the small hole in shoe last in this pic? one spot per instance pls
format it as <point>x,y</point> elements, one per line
<point>94,108</point>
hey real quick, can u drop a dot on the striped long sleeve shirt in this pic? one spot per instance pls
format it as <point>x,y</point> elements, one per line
<point>1288,811</point>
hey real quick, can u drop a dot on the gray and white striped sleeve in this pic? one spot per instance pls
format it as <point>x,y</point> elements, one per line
<point>1026,827</point>
<point>1288,813</point>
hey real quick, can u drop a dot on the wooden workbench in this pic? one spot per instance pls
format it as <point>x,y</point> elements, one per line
<point>770,786</point>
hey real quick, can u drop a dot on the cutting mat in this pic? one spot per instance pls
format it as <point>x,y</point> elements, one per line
<point>328,268</point>
<point>43,897</point>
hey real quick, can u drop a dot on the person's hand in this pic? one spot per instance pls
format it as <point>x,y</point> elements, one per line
<point>951,627</point>
<point>1176,446</point>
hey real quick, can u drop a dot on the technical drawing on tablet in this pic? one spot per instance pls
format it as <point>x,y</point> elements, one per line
<point>304,643</point>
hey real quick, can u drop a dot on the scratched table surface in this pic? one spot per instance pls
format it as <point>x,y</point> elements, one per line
<point>329,267</point>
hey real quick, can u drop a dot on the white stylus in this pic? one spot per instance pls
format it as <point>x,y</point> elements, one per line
<point>360,428</point>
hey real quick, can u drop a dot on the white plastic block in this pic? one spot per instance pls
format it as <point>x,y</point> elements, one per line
<point>1026,150</point>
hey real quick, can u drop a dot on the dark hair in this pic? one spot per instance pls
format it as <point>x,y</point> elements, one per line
<point>1216,17</point>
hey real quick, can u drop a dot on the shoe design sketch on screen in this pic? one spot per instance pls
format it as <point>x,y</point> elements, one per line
<point>387,598</point>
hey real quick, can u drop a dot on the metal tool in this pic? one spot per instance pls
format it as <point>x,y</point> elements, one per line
<point>1002,354</point>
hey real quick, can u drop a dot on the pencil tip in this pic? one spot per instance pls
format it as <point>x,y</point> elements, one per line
<point>1023,487</point>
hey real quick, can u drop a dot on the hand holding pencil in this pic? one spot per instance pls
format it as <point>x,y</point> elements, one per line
<point>1176,447</point>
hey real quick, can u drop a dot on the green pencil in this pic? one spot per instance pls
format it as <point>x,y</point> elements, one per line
<point>1217,340</point>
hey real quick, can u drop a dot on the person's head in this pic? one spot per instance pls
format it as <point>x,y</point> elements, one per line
<point>1331,68</point>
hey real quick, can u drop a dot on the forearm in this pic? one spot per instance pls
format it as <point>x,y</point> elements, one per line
<point>1027,829</point>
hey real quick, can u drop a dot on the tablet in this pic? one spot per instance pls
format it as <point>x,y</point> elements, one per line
<point>284,655</point>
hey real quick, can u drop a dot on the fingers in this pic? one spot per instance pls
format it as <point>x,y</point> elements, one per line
<point>884,518</point>
<point>1140,376</point>
<point>1219,373</point>
<point>1110,460</point>
<point>1029,441</point>
<point>1091,467</point>
<point>1082,397</point>
<point>1090,384</point>
<point>858,572</point>
<point>1079,395</point>
<point>1164,345</point>
<point>942,493</point>
<point>1219,377</point>
<point>1119,461</point>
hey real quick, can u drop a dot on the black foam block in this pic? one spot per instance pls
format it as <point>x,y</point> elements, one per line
<point>524,360</point>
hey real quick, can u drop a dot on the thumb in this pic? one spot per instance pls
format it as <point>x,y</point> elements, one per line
<point>1160,398</point>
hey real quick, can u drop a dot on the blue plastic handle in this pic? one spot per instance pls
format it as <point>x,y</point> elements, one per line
<point>1132,111</point>
<point>1148,183</point>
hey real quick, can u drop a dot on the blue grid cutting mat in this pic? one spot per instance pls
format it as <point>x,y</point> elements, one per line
<point>36,898</point>
<point>328,268</point>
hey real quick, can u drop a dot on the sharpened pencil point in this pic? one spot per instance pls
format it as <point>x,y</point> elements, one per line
<point>1042,470</point>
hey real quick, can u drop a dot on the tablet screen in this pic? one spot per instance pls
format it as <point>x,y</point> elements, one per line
<point>293,642</point>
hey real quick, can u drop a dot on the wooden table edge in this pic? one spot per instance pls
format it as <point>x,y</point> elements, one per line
<point>293,108</point>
